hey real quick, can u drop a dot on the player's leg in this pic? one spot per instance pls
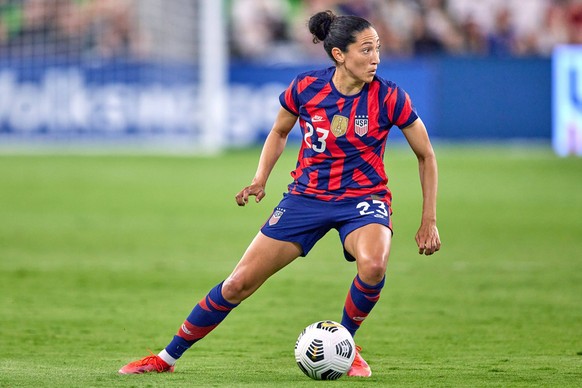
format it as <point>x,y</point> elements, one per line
<point>370,246</point>
<point>263,258</point>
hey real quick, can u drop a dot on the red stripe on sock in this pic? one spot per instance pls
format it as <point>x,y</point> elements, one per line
<point>353,311</point>
<point>203,304</point>
<point>217,306</point>
<point>363,288</point>
<point>372,298</point>
<point>191,332</point>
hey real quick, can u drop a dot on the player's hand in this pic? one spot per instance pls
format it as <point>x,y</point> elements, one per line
<point>427,238</point>
<point>255,189</point>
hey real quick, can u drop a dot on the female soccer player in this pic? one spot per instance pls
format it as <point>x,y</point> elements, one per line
<point>345,113</point>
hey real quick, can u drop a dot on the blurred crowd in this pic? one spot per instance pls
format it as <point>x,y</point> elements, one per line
<point>262,29</point>
<point>275,30</point>
<point>100,28</point>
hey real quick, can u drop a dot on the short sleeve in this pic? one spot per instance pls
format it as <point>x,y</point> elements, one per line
<point>401,111</point>
<point>289,100</point>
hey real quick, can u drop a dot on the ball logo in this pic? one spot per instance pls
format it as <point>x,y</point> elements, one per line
<point>329,326</point>
<point>344,349</point>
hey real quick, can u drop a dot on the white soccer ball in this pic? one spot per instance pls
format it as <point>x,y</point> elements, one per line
<point>325,350</point>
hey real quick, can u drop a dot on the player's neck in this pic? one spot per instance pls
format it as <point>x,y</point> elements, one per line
<point>345,84</point>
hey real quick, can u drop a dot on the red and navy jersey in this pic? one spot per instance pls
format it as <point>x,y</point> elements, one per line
<point>344,137</point>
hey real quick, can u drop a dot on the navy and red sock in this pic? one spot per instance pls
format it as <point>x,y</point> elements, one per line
<point>213,309</point>
<point>360,301</point>
<point>205,316</point>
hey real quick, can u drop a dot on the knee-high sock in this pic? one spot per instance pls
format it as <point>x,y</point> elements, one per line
<point>205,316</point>
<point>360,301</point>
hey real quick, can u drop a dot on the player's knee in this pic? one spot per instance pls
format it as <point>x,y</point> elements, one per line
<point>372,278</point>
<point>235,289</point>
<point>372,271</point>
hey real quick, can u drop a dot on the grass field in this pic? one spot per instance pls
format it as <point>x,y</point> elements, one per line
<point>102,258</point>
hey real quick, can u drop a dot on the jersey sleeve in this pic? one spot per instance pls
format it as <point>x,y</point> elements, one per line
<point>401,111</point>
<point>289,98</point>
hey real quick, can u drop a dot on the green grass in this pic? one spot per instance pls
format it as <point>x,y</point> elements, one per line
<point>102,257</point>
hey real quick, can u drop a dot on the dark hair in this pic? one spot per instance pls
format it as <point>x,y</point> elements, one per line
<point>336,31</point>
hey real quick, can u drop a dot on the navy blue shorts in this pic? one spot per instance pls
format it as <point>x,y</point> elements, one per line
<point>305,220</point>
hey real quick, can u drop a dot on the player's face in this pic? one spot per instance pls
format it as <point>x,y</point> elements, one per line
<point>363,56</point>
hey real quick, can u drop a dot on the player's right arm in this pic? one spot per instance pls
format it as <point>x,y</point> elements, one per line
<point>272,150</point>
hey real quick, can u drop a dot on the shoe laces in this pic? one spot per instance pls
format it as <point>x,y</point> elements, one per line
<point>154,360</point>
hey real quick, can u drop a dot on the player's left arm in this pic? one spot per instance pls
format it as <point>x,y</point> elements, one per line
<point>427,237</point>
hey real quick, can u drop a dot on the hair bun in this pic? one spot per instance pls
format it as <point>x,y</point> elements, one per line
<point>319,25</point>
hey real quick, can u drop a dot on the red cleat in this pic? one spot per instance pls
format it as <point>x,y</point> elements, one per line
<point>151,363</point>
<point>360,367</point>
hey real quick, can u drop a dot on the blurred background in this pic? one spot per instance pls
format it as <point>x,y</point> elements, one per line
<point>191,75</point>
<point>113,220</point>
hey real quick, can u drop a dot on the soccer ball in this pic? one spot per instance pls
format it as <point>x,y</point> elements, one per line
<point>325,350</point>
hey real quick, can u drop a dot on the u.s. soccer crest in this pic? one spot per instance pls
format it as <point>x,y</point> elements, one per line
<point>277,214</point>
<point>361,125</point>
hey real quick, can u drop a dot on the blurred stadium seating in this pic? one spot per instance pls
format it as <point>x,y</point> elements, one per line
<point>126,72</point>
